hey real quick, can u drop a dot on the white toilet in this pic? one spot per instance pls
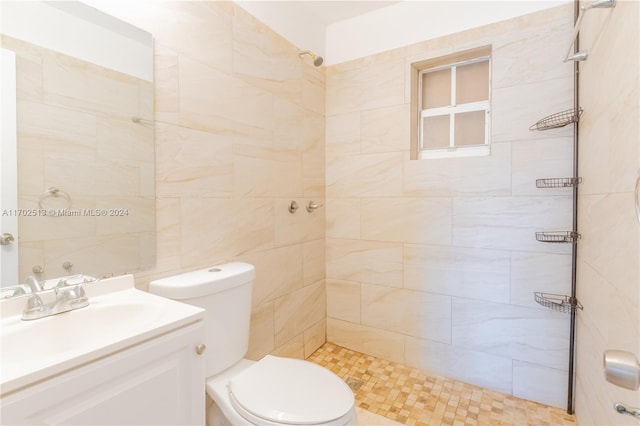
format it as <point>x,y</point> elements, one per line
<point>272,391</point>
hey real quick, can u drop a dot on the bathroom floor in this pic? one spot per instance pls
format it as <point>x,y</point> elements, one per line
<point>410,396</point>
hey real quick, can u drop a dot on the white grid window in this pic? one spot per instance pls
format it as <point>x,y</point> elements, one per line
<point>454,109</point>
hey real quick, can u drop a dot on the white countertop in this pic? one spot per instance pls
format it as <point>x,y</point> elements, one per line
<point>118,316</point>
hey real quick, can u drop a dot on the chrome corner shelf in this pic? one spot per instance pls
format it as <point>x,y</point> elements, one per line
<point>559,119</point>
<point>558,237</point>
<point>557,302</point>
<point>567,182</point>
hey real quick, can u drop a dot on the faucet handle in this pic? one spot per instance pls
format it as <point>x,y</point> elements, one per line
<point>312,205</point>
<point>74,295</point>
<point>68,292</point>
<point>34,304</point>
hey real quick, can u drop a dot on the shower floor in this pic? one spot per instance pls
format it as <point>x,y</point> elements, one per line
<point>412,397</point>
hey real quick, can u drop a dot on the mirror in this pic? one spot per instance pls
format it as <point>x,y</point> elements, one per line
<point>84,135</point>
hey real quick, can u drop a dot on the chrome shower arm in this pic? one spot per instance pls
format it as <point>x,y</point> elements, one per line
<point>582,55</point>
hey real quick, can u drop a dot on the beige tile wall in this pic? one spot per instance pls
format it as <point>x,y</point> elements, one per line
<point>75,133</point>
<point>433,262</point>
<point>609,252</point>
<point>428,263</point>
<point>239,134</point>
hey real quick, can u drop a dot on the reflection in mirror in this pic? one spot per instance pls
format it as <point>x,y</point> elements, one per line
<point>85,142</point>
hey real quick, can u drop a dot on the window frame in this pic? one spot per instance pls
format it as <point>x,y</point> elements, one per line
<point>451,110</point>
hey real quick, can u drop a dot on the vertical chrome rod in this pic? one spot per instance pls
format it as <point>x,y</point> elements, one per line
<point>574,247</point>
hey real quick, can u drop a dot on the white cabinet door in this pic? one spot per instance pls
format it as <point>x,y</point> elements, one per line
<point>159,382</point>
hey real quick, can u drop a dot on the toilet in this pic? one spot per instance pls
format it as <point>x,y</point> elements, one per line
<point>271,391</point>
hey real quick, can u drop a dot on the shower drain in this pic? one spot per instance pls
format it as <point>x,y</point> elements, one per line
<point>354,384</point>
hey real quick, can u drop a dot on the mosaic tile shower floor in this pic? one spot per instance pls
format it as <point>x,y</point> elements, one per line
<point>410,396</point>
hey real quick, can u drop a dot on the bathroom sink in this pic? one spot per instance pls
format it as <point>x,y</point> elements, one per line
<point>56,336</point>
<point>114,320</point>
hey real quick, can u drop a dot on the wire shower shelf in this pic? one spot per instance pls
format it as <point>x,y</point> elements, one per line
<point>557,302</point>
<point>559,119</point>
<point>558,237</point>
<point>558,182</point>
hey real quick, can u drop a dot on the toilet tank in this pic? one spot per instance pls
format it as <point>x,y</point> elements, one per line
<point>224,291</point>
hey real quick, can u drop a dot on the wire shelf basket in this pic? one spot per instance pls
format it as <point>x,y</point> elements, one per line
<point>557,302</point>
<point>559,119</point>
<point>558,182</point>
<point>558,237</point>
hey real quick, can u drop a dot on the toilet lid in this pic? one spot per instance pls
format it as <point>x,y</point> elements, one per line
<point>291,391</point>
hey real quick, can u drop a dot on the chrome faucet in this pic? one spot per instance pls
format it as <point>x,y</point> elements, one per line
<point>68,298</point>
<point>33,283</point>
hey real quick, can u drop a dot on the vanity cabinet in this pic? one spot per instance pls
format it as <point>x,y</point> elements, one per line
<point>159,381</point>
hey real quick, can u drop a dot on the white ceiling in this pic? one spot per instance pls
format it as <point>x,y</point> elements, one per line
<point>331,11</point>
<point>342,30</point>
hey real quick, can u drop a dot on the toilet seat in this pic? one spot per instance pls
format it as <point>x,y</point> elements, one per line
<point>285,391</point>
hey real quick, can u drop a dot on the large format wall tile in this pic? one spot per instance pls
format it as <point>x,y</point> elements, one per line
<point>192,162</point>
<point>300,226</point>
<point>541,158</point>
<point>200,30</point>
<point>473,176</point>
<point>229,226</point>
<point>297,311</point>
<point>92,254</point>
<point>472,273</point>
<point>265,59</point>
<point>296,129</point>
<point>369,340</point>
<point>261,338</point>
<point>365,261</point>
<point>166,85</point>
<point>478,368</point>
<point>541,384</point>
<point>409,312</point>
<point>29,84</point>
<point>253,168</point>
<point>130,215</point>
<point>206,92</point>
<point>515,108</point>
<point>510,222</point>
<point>365,175</point>
<point>608,221</point>
<point>34,228</point>
<point>123,140</point>
<point>293,348</point>
<point>533,53</point>
<point>525,334</point>
<point>385,129</point>
<point>543,272</point>
<point>413,220</point>
<point>75,84</point>
<point>313,261</point>
<point>55,128</point>
<point>314,337</point>
<point>343,218</point>
<point>343,300</point>
<point>343,134</point>
<point>278,272</point>
<point>379,82</point>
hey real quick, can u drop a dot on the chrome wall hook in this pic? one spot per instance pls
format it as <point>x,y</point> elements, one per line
<point>292,207</point>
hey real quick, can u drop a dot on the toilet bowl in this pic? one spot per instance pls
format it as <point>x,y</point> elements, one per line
<point>279,391</point>
<point>271,391</point>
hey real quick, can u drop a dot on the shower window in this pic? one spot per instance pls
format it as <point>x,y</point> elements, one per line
<point>454,109</point>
